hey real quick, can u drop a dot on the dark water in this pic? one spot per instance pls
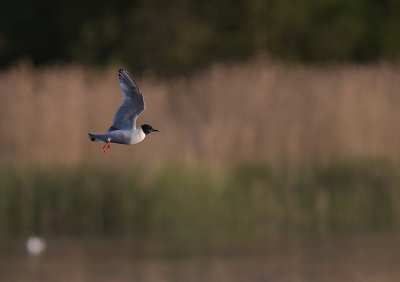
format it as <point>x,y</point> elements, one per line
<point>355,258</point>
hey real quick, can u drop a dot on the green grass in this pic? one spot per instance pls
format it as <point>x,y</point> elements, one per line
<point>189,203</point>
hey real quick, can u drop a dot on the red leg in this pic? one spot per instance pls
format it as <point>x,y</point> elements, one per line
<point>107,145</point>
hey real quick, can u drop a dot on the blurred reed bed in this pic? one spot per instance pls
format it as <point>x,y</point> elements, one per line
<point>244,150</point>
<point>240,112</point>
<point>177,203</point>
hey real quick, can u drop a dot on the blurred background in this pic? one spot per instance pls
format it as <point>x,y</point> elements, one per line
<point>277,160</point>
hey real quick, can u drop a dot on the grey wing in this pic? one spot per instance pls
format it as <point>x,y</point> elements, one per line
<point>131,106</point>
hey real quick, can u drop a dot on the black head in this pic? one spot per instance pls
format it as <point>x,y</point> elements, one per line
<point>147,129</point>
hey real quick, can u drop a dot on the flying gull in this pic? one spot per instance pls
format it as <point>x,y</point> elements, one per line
<point>123,128</point>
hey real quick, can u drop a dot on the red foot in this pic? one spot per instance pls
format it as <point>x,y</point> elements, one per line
<point>107,146</point>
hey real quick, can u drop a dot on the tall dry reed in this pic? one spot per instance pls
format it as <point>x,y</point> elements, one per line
<point>259,110</point>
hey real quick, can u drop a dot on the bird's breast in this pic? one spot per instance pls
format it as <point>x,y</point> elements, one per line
<point>137,136</point>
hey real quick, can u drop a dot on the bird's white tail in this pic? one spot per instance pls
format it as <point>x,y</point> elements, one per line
<point>93,137</point>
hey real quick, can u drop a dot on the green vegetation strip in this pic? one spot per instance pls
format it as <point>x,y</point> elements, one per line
<point>185,202</point>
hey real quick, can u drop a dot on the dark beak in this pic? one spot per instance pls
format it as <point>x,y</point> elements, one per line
<point>156,130</point>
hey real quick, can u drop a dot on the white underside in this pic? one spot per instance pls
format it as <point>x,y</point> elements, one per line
<point>137,135</point>
<point>132,136</point>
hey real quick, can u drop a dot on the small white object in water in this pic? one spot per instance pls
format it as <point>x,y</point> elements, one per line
<point>35,245</point>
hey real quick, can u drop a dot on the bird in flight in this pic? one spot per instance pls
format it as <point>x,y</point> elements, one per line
<point>123,128</point>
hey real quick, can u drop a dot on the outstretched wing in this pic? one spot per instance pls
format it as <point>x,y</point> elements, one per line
<point>132,103</point>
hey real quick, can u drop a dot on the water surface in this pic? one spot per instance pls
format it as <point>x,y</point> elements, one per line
<point>344,258</point>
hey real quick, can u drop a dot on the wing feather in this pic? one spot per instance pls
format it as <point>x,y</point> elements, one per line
<point>132,104</point>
